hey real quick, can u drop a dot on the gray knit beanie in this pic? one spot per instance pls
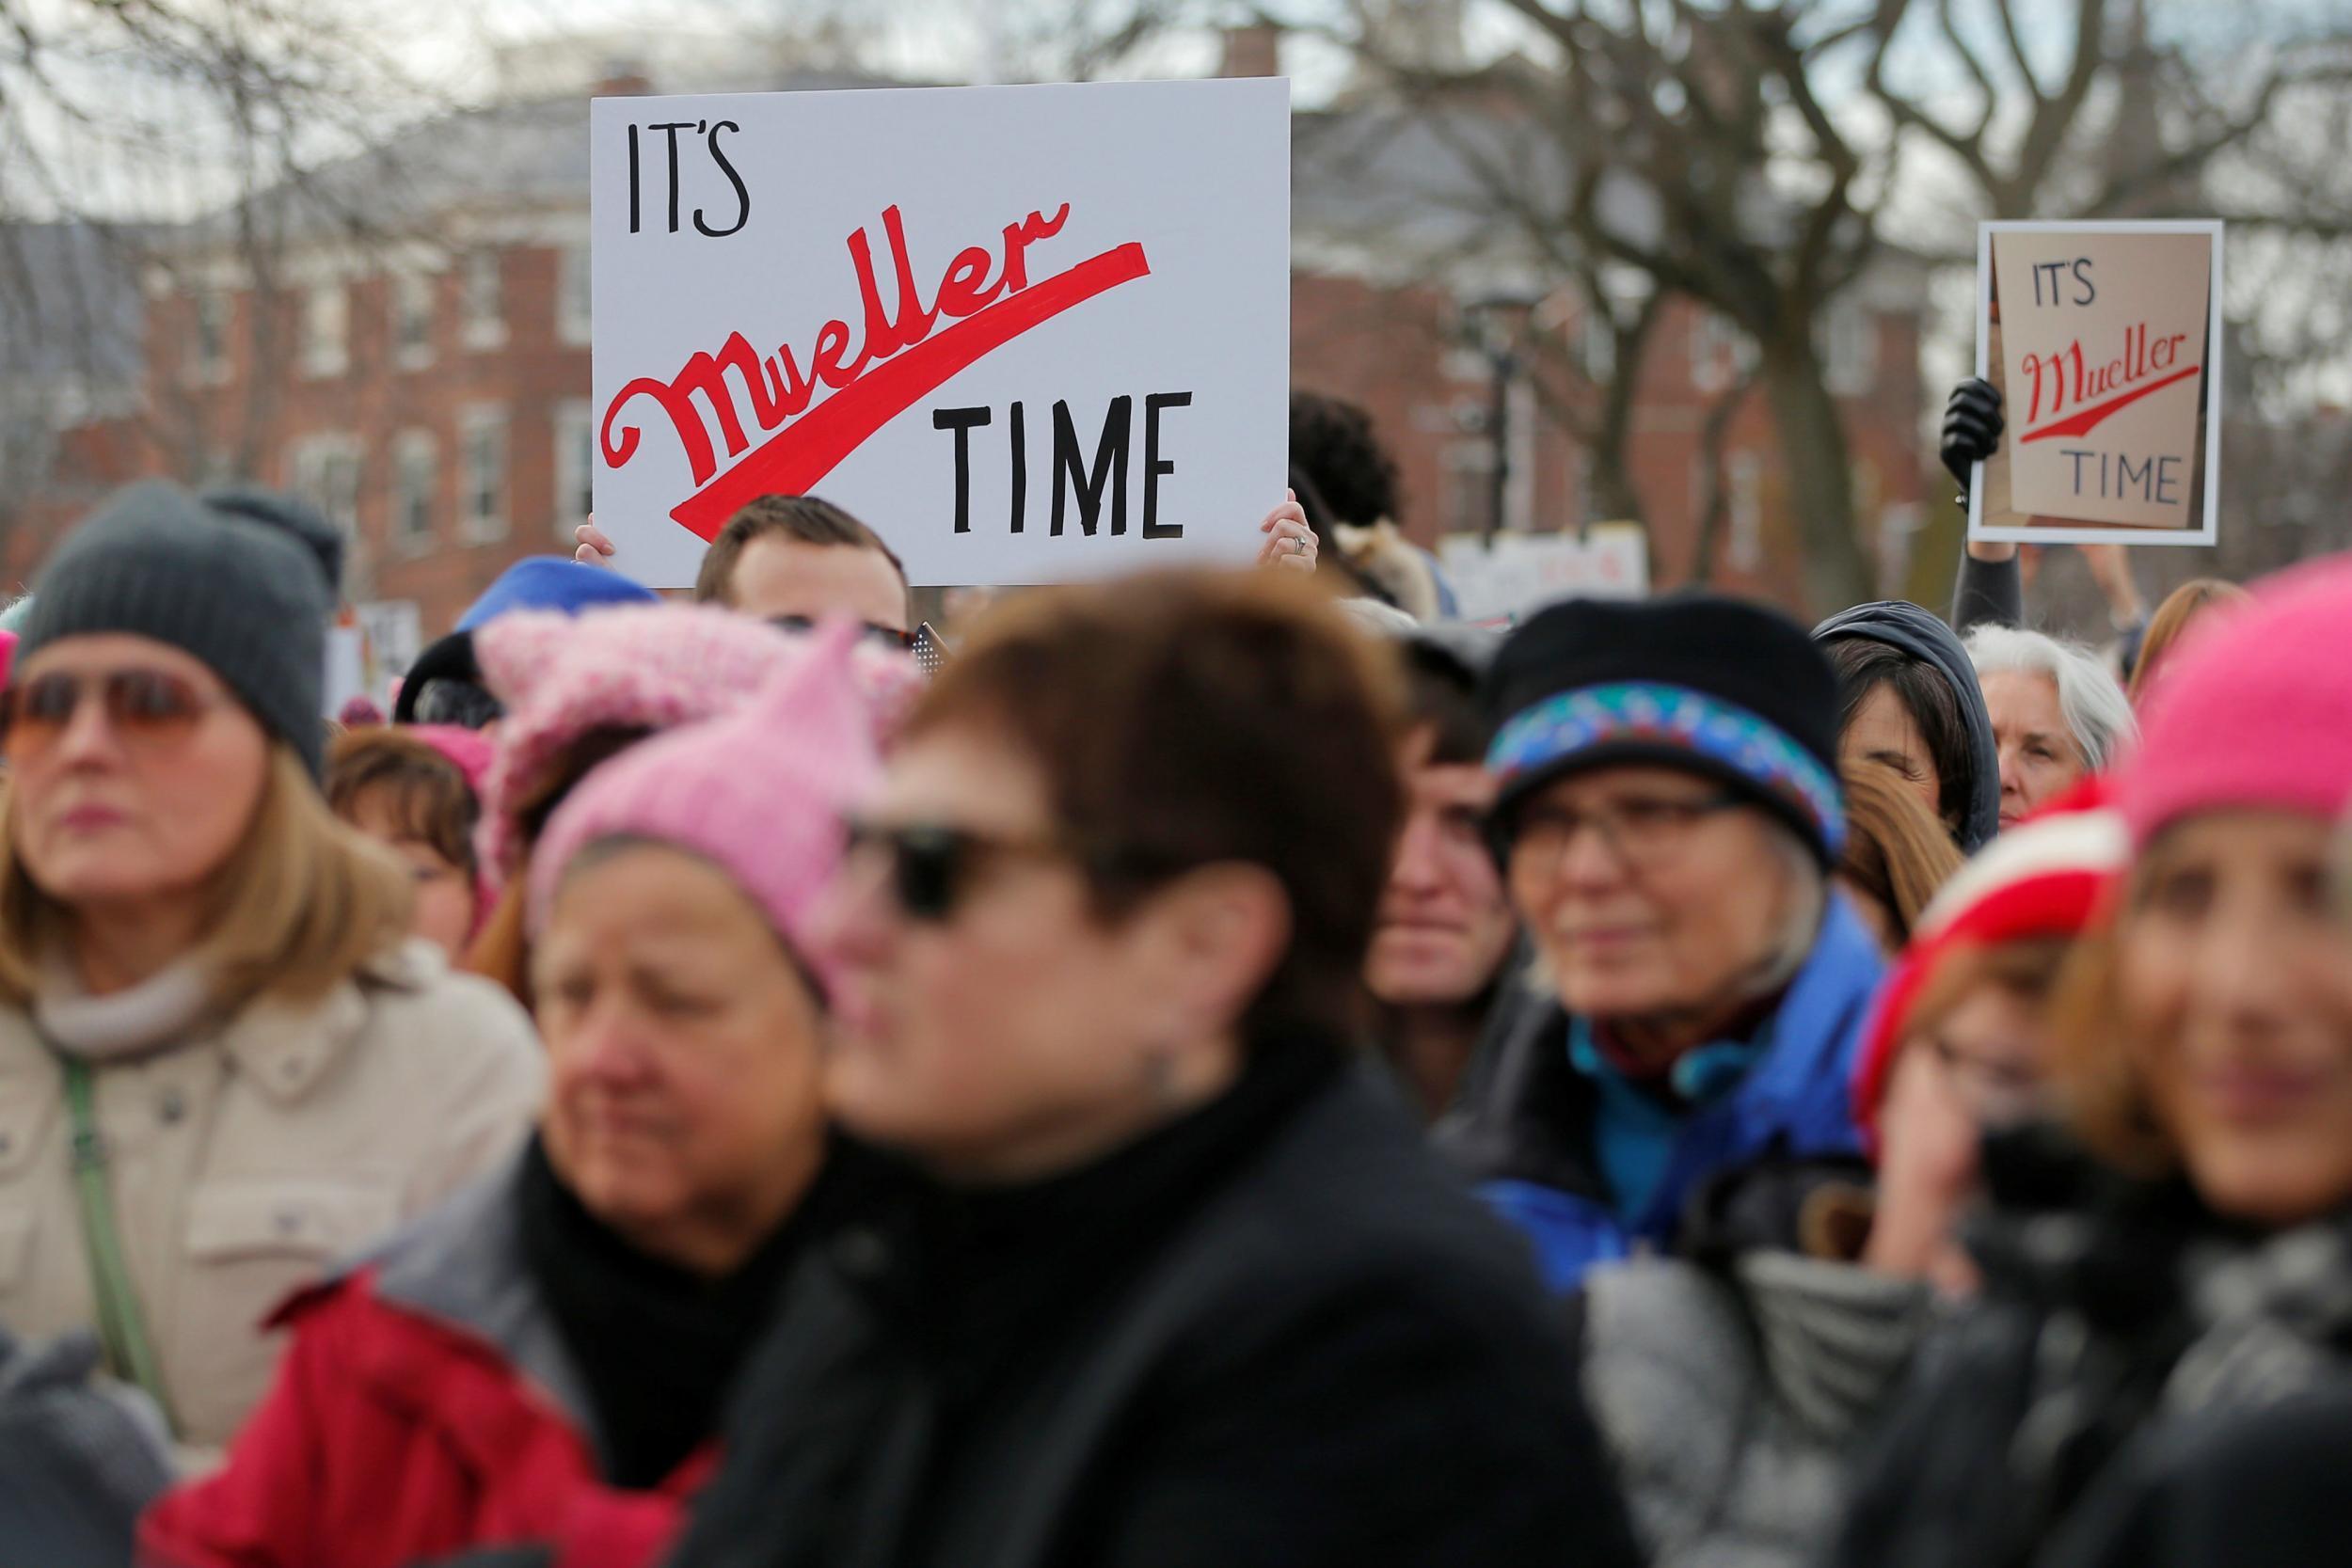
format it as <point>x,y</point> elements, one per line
<point>242,580</point>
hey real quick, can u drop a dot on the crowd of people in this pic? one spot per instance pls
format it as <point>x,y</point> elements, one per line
<point>1231,1070</point>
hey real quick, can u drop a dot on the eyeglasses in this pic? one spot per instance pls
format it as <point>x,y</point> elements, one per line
<point>1640,831</point>
<point>932,865</point>
<point>147,709</point>
<point>869,631</point>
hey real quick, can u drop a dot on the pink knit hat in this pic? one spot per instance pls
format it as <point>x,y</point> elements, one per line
<point>468,751</point>
<point>649,667</point>
<point>2256,711</point>
<point>759,793</point>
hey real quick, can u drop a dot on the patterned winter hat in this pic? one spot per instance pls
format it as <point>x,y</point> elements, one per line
<point>1714,686</point>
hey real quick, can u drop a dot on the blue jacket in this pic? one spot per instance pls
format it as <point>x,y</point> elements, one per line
<point>1526,1128</point>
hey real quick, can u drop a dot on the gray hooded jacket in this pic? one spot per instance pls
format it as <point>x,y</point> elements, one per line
<point>1920,633</point>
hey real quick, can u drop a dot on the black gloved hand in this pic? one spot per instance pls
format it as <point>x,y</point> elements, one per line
<point>1972,428</point>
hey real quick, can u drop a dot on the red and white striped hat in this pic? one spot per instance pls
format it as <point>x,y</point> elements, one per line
<point>2047,876</point>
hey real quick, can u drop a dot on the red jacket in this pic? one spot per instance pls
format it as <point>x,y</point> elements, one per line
<point>426,1406</point>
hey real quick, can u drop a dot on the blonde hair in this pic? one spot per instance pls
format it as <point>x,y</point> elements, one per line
<point>2091,1077</point>
<point>300,905</point>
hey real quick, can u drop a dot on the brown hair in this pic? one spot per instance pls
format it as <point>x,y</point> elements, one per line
<point>1186,720</point>
<point>802,520</point>
<point>420,790</point>
<point>2096,1087</point>
<point>2028,969</point>
<point>1895,850</point>
<point>1863,664</point>
<point>298,905</point>
<point>501,949</point>
<point>2181,606</point>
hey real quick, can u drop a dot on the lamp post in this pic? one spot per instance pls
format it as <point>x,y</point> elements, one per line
<point>1490,322</point>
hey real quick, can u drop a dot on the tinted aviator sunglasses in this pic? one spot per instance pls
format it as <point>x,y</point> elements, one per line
<point>144,708</point>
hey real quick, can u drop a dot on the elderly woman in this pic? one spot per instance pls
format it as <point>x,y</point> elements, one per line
<point>1155,1275</point>
<point>1669,811</point>
<point>223,1063</point>
<point>2057,715</point>
<point>1734,1380</point>
<point>2180,1260</point>
<point>544,1359</point>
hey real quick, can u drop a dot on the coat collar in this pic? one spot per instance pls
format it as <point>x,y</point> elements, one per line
<point>287,1048</point>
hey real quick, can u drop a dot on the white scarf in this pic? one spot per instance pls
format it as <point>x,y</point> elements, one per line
<point>157,1011</point>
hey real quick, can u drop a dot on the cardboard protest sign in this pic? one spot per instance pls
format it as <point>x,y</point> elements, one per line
<point>2106,342</point>
<point>1028,334</point>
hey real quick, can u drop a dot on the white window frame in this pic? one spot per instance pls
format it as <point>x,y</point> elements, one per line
<point>412,449</point>
<point>208,362</point>
<point>410,298</point>
<point>476,526</point>
<point>482,298</point>
<point>575,426</point>
<point>328,470</point>
<point>574,299</point>
<point>326,330</point>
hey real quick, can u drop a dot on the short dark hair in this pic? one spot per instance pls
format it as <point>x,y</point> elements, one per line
<point>1441,697</point>
<point>802,520</point>
<point>420,790</point>
<point>1332,442</point>
<point>1865,664</point>
<point>1184,720</point>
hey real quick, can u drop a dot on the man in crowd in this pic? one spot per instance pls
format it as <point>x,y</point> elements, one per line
<point>793,557</point>
<point>1443,945</point>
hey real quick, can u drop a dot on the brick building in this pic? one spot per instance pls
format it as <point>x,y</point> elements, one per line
<point>419,362</point>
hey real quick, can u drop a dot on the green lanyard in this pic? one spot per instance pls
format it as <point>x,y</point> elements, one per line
<point>121,1326</point>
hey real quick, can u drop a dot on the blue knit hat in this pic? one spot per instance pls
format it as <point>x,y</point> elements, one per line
<point>551,582</point>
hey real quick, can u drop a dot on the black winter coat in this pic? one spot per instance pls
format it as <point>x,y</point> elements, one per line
<point>1275,1332</point>
<point>2125,1330</point>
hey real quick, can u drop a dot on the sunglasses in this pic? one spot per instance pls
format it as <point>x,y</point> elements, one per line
<point>932,866</point>
<point>146,709</point>
<point>869,631</point>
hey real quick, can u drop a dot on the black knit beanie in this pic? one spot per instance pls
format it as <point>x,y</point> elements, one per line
<point>243,579</point>
<point>1711,685</point>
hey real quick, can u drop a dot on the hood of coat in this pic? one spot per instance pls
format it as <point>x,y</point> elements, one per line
<point>1922,634</point>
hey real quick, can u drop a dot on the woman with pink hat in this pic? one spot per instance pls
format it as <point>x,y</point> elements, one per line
<point>2175,1260</point>
<point>544,1359</point>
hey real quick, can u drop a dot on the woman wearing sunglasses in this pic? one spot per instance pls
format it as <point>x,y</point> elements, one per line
<point>222,1062</point>
<point>1152,1272</point>
<point>544,1361</point>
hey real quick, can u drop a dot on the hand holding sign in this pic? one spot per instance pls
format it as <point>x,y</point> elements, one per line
<point>2104,338</point>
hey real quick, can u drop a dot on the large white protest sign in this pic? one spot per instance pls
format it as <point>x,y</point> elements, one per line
<point>2106,342</point>
<point>1030,334</point>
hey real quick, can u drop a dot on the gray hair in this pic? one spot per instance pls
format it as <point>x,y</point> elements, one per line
<point>2097,713</point>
